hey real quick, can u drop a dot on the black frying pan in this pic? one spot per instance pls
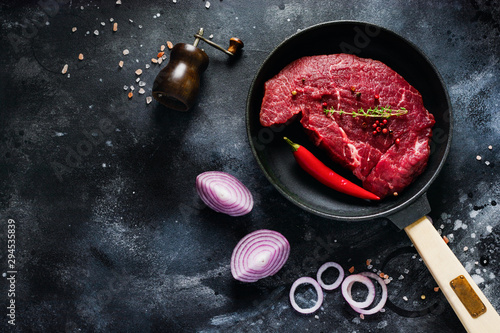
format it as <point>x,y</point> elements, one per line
<point>407,210</point>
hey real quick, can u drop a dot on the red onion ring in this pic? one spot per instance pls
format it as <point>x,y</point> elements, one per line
<point>337,282</point>
<point>319,291</point>
<point>346,290</point>
<point>259,254</point>
<point>383,299</point>
<point>224,193</point>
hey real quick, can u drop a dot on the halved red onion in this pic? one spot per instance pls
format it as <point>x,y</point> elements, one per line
<point>319,292</point>
<point>224,193</point>
<point>259,254</point>
<point>337,282</point>
<point>383,298</point>
<point>346,290</point>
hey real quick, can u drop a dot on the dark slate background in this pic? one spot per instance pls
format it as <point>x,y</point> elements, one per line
<point>110,233</point>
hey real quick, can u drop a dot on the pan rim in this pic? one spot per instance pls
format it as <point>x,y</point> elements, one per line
<point>382,212</point>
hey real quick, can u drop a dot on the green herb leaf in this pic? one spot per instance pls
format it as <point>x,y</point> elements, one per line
<point>378,111</point>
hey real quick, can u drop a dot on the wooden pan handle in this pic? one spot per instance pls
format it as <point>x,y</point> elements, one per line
<point>468,301</point>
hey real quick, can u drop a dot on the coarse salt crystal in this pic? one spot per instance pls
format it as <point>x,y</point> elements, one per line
<point>73,29</point>
<point>138,72</point>
<point>138,79</point>
<point>465,248</point>
<point>132,88</point>
<point>147,65</point>
<point>80,56</point>
<point>154,60</point>
<point>160,60</point>
<point>490,147</point>
<point>162,48</point>
<point>125,52</point>
<point>96,32</point>
<point>405,298</point>
<point>118,2</point>
<point>115,26</point>
<point>487,162</point>
<point>142,83</point>
<point>207,4</point>
<point>478,157</point>
<point>401,277</point>
<point>125,87</point>
<point>111,19</point>
<point>142,91</point>
<point>149,99</point>
<point>103,23</point>
<point>65,69</point>
<point>140,27</point>
<point>120,64</point>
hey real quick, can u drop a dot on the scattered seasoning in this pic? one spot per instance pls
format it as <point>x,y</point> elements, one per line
<point>294,92</point>
<point>368,262</point>
<point>478,157</point>
<point>397,141</point>
<point>376,96</point>
<point>65,69</point>
<point>142,83</point>
<point>446,240</point>
<point>96,32</point>
<point>73,29</point>
<point>160,60</point>
<point>118,2</point>
<point>115,26</point>
<point>142,91</point>
<point>358,94</point>
<point>466,248</point>
<point>395,194</point>
<point>162,48</point>
<point>353,88</point>
<point>487,162</point>
<point>154,60</point>
<point>351,269</point>
<point>490,147</point>
<point>80,56</point>
<point>160,54</point>
<point>405,298</point>
<point>422,297</point>
<point>125,52</point>
<point>138,72</point>
<point>125,87</point>
<point>207,4</point>
<point>120,64</point>
<point>149,99</point>
<point>170,45</point>
<point>436,289</point>
<point>130,94</point>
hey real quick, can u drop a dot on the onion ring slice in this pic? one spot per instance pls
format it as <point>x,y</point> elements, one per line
<point>383,299</point>
<point>319,291</point>
<point>346,290</point>
<point>337,282</point>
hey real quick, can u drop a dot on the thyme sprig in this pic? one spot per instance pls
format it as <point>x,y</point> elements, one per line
<point>377,112</point>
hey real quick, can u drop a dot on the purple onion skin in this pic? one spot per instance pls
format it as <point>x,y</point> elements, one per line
<point>259,254</point>
<point>224,193</point>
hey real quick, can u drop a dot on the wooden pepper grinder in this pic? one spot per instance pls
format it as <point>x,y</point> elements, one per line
<point>177,85</point>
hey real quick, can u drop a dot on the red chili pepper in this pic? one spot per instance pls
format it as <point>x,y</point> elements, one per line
<point>312,165</point>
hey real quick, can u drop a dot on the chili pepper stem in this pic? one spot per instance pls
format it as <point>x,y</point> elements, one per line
<point>294,145</point>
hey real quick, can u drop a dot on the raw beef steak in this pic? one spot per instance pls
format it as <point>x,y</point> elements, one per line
<point>385,160</point>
